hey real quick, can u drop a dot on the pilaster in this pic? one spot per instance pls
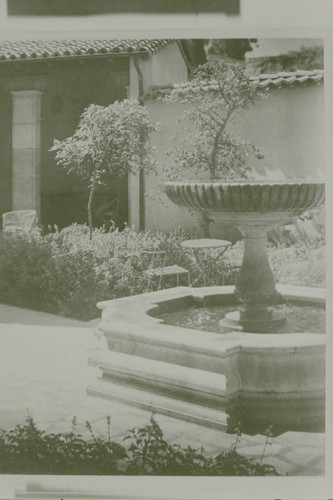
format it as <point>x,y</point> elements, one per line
<point>26,136</point>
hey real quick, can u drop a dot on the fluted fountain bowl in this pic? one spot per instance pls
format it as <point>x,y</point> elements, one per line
<point>287,198</point>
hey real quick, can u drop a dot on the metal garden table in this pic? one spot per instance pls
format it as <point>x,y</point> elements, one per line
<point>202,244</point>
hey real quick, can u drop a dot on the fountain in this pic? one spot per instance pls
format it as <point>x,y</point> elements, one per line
<point>247,372</point>
<point>254,208</point>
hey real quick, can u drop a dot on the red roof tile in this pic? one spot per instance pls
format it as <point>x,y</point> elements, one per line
<point>51,49</point>
<point>288,78</point>
<point>277,80</point>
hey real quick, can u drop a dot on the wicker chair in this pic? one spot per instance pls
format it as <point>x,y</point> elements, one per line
<point>20,221</point>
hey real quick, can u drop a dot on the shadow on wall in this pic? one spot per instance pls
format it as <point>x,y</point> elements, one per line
<point>63,209</point>
<point>6,154</point>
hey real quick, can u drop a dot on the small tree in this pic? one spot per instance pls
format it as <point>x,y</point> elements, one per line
<point>207,150</point>
<point>111,140</point>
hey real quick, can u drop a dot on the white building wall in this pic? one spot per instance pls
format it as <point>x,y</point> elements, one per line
<point>163,67</point>
<point>168,66</point>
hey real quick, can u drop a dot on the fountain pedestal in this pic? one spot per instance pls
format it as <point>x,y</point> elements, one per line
<point>255,287</point>
<point>256,284</point>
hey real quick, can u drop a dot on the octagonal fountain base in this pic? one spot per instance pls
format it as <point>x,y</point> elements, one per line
<point>214,379</point>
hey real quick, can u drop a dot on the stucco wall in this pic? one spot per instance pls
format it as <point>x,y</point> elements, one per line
<point>289,128</point>
<point>161,214</point>
<point>163,67</point>
<point>168,66</point>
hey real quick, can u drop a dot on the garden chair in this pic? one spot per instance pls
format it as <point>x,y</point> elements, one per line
<point>19,221</point>
<point>158,257</point>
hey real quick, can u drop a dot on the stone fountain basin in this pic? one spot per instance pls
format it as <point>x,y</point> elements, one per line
<point>288,197</point>
<point>265,369</point>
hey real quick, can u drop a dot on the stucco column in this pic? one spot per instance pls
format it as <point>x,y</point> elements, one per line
<point>134,180</point>
<point>26,190</point>
<point>136,200</point>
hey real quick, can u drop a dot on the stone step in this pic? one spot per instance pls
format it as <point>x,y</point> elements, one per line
<point>164,405</point>
<point>175,350</point>
<point>179,382</point>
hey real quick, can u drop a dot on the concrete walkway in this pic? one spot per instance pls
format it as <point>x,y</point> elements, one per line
<point>44,373</point>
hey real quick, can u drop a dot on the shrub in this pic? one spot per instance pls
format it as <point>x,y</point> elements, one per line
<point>27,450</point>
<point>65,273</point>
<point>24,265</point>
<point>295,265</point>
<point>308,230</point>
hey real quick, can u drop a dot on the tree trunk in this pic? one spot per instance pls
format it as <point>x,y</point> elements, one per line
<point>89,208</point>
<point>213,159</point>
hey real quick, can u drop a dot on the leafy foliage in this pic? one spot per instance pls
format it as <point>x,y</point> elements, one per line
<point>65,273</point>
<point>28,450</point>
<point>309,230</point>
<point>207,150</point>
<point>295,265</point>
<point>109,140</point>
<point>307,58</point>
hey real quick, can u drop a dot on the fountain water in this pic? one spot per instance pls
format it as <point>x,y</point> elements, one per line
<point>246,374</point>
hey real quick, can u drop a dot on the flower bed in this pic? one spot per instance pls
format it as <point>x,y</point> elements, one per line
<point>28,450</point>
<point>64,273</point>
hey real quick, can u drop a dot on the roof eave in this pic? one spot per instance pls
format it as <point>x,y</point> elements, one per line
<point>50,59</point>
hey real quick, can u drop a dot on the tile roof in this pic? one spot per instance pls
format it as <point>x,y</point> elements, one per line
<point>277,80</point>
<point>291,78</point>
<point>52,49</point>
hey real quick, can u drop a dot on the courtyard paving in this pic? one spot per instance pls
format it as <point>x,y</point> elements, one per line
<point>44,373</point>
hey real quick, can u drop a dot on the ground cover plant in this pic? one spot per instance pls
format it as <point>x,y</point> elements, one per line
<point>28,450</point>
<point>65,273</point>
